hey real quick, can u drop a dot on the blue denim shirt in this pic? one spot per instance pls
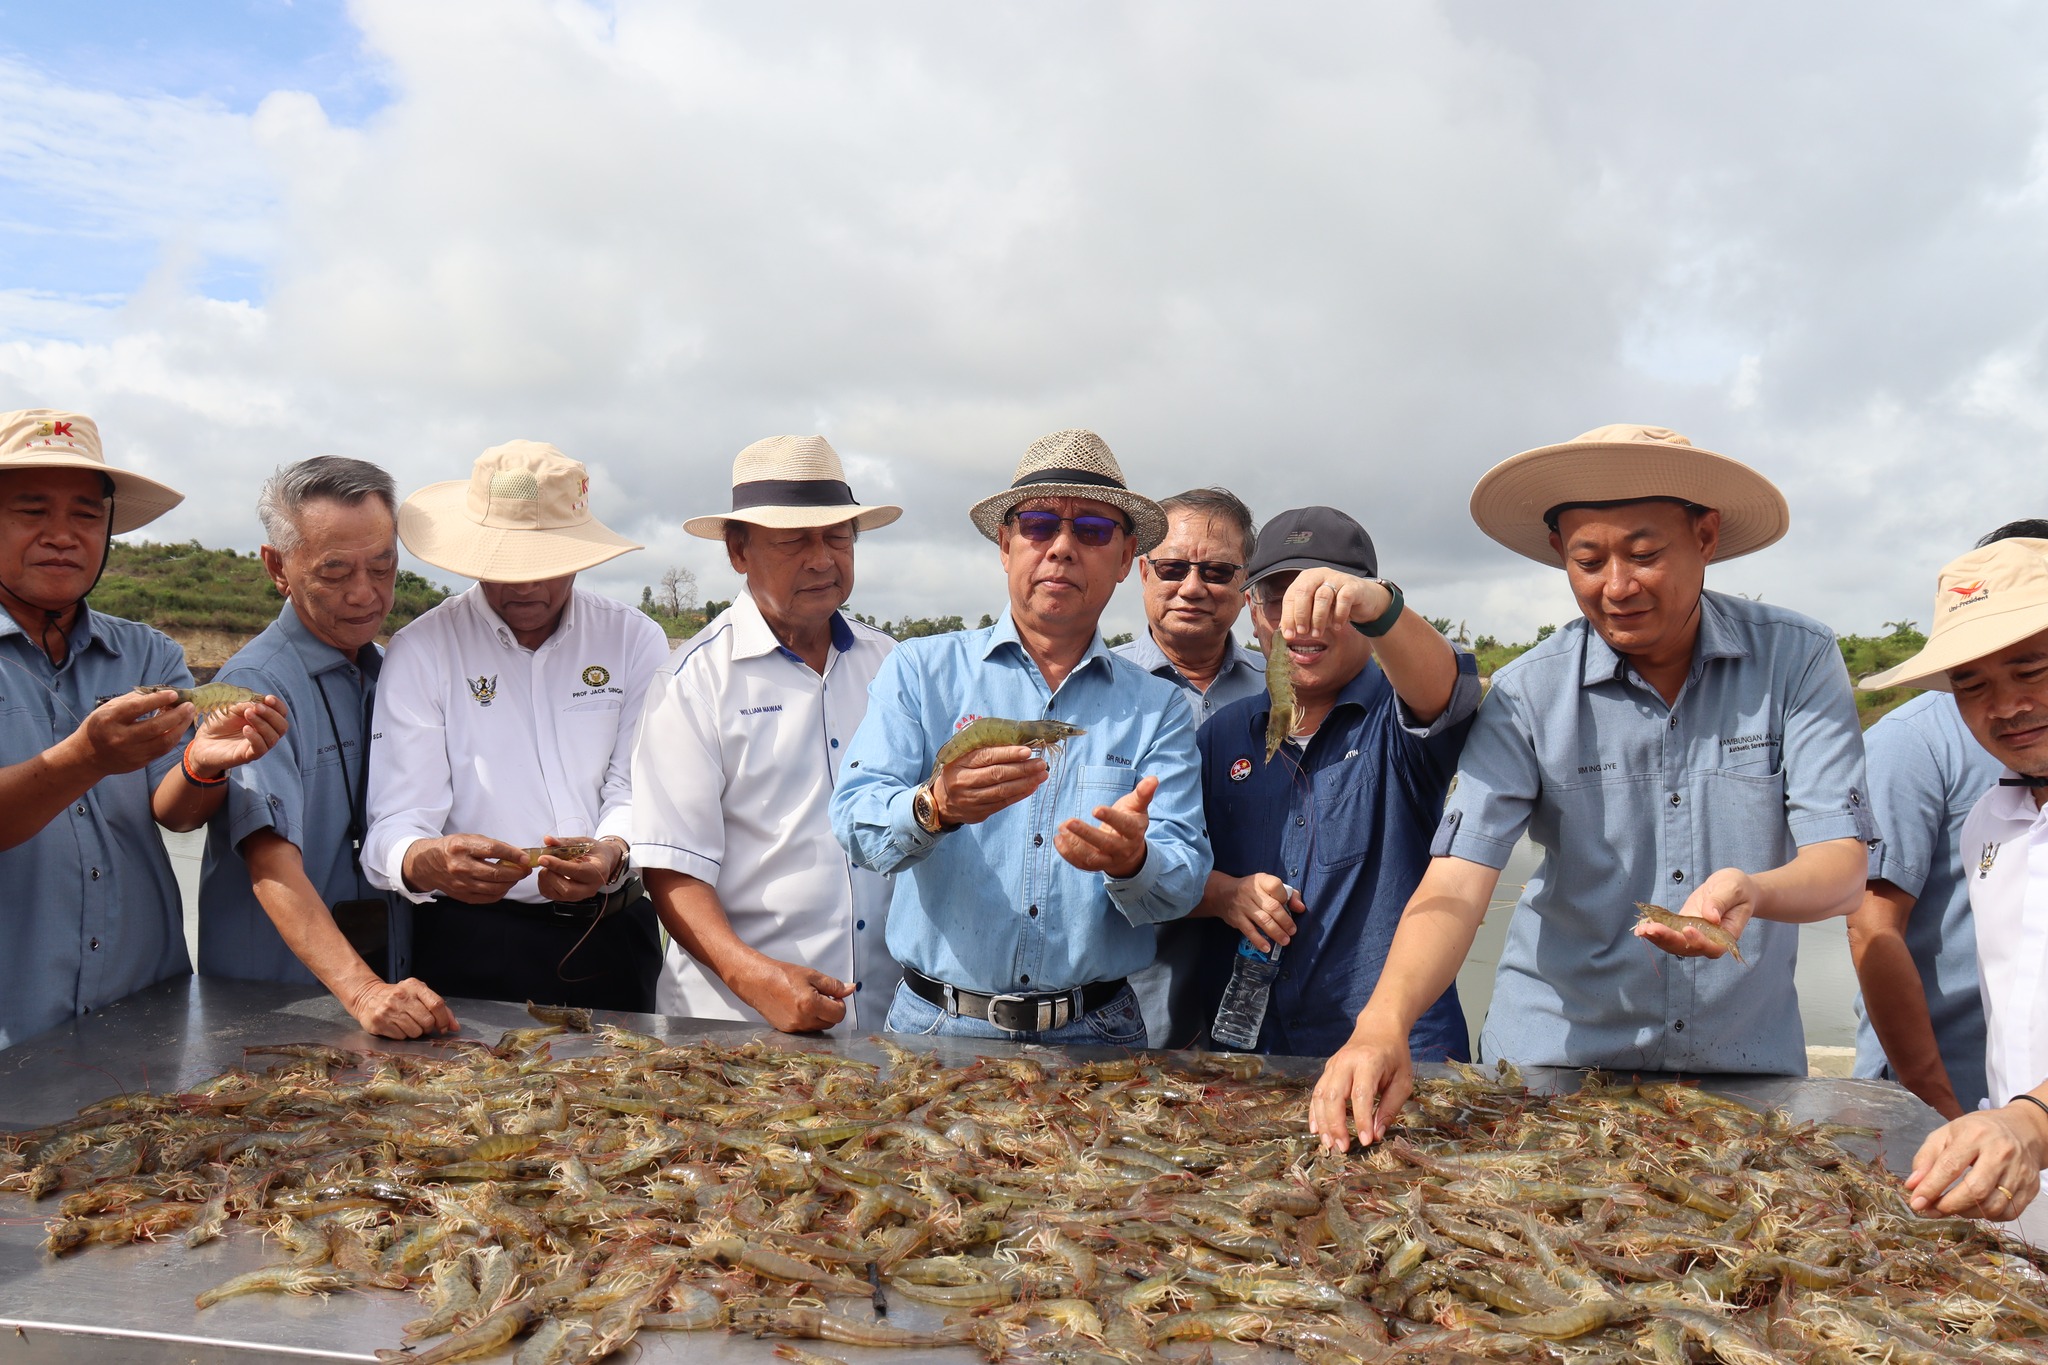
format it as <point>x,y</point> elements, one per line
<point>1243,674</point>
<point>1633,800</point>
<point>299,789</point>
<point>993,907</point>
<point>1347,822</point>
<point>1926,771</point>
<point>93,911</point>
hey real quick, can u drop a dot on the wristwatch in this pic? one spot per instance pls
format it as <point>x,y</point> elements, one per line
<point>925,810</point>
<point>1384,622</point>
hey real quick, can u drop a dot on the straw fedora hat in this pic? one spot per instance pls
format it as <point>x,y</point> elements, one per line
<point>44,438</point>
<point>1625,463</point>
<point>1986,601</point>
<point>788,482</point>
<point>522,515</point>
<point>1072,464</point>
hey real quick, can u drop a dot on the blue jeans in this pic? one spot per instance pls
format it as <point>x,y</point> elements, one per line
<point>1116,1024</point>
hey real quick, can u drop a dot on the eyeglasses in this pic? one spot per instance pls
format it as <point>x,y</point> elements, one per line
<point>1213,571</point>
<point>1039,527</point>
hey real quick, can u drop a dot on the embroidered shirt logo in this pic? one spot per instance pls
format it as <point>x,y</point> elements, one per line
<point>596,676</point>
<point>1240,770</point>
<point>759,710</point>
<point>483,690</point>
<point>1985,860</point>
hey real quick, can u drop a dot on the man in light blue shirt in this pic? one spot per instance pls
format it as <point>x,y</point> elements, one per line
<point>282,894</point>
<point>1919,1016</point>
<point>1194,592</point>
<point>1014,917</point>
<point>1671,745</point>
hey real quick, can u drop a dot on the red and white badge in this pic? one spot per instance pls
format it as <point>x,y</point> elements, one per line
<point>1240,770</point>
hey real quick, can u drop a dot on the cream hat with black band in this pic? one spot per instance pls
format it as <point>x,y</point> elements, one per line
<point>789,483</point>
<point>1619,464</point>
<point>1985,601</point>
<point>44,438</point>
<point>521,516</point>
<point>1072,464</point>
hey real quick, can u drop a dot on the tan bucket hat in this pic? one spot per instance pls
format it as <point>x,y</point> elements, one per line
<point>1625,463</point>
<point>1986,600</point>
<point>1072,464</point>
<point>786,482</point>
<point>522,515</point>
<point>44,438</point>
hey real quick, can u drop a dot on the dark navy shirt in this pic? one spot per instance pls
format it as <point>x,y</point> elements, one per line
<point>1348,823</point>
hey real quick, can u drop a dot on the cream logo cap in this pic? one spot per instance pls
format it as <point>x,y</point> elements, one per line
<point>1985,601</point>
<point>522,515</point>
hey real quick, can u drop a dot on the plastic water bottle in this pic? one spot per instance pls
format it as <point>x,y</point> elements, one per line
<point>1243,1011</point>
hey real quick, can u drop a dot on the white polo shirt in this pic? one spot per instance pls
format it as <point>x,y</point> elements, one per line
<point>477,734</point>
<point>737,757</point>
<point>2005,857</point>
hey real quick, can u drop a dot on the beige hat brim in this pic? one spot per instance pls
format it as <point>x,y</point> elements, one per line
<point>434,525</point>
<point>137,500</point>
<point>795,518</point>
<point>1965,642</point>
<point>1149,521</point>
<point>1510,499</point>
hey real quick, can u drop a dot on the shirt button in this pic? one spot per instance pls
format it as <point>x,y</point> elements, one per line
<point>856,987</point>
<point>1674,722</point>
<point>1024,980</point>
<point>860,924</point>
<point>95,945</point>
<point>1678,1026</point>
<point>1037,840</point>
<point>1677,874</point>
<point>1034,912</point>
<point>81,808</point>
<point>1299,821</point>
<point>95,874</point>
<point>1674,798</point>
<point>835,743</point>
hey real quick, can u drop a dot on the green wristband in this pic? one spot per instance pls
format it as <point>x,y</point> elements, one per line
<point>1384,622</point>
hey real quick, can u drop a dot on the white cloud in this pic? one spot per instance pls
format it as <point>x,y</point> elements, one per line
<point>1329,254</point>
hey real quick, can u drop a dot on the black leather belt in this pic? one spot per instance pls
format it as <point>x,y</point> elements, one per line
<point>596,907</point>
<point>1017,1013</point>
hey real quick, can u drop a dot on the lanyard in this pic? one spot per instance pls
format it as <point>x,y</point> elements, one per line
<point>358,788</point>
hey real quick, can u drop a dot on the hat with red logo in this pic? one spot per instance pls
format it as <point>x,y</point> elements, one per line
<point>521,516</point>
<point>43,438</point>
<point>1987,600</point>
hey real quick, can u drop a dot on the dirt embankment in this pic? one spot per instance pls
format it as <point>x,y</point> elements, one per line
<point>207,650</point>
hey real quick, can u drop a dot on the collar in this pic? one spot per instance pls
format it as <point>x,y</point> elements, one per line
<point>315,653</point>
<point>752,638</point>
<point>1718,639</point>
<point>89,629</point>
<point>1004,632</point>
<point>1146,654</point>
<point>504,633</point>
<point>2014,804</point>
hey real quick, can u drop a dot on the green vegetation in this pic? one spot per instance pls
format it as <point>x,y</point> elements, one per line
<point>914,627</point>
<point>189,587</point>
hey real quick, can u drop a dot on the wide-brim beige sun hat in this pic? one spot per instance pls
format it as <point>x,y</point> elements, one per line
<point>1988,600</point>
<point>521,516</point>
<point>791,483</point>
<point>1072,464</point>
<point>44,438</point>
<point>1625,463</point>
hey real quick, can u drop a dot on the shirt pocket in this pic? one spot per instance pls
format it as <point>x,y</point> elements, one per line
<point>1344,814</point>
<point>1104,785</point>
<point>1741,819</point>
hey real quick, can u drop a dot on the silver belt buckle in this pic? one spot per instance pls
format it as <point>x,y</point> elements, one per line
<point>995,1000</point>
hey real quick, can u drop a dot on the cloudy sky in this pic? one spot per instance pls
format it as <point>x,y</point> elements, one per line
<point>1349,253</point>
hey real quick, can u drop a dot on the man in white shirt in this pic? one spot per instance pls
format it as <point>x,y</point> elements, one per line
<point>1989,647</point>
<point>504,720</point>
<point>738,754</point>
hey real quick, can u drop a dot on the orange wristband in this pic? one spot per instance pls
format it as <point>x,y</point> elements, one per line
<point>185,764</point>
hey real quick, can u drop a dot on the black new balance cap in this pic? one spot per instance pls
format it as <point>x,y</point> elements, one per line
<point>1312,538</point>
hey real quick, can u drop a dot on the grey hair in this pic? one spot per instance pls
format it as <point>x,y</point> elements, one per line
<point>2033,528</point>
<point>332,478</point>
<point>1219,504</point>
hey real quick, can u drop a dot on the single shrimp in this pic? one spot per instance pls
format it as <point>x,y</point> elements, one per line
<point>277,1279</point>
<point>208,699</point>
<point>993,732</point>
<point>569,851</point>
<point>1711,932</point>
<point>1282,718</point>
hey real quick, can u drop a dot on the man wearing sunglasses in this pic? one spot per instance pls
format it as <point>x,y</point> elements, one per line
<point>1194,591</point>
<point>1319,847</point>
<point>1027,891</point>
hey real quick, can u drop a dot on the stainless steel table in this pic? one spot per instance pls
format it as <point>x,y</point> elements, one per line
<point>135,1303</point>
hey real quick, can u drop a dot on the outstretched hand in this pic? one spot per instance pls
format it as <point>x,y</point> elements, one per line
<point>1116,847</point>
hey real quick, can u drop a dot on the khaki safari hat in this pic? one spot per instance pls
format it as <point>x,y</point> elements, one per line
<point>43,438</point>
<point>791,482</point>
<point>1625,463</point>
<point>522,515</point>
<point>1072,464</point>
<point>1986,600</point>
